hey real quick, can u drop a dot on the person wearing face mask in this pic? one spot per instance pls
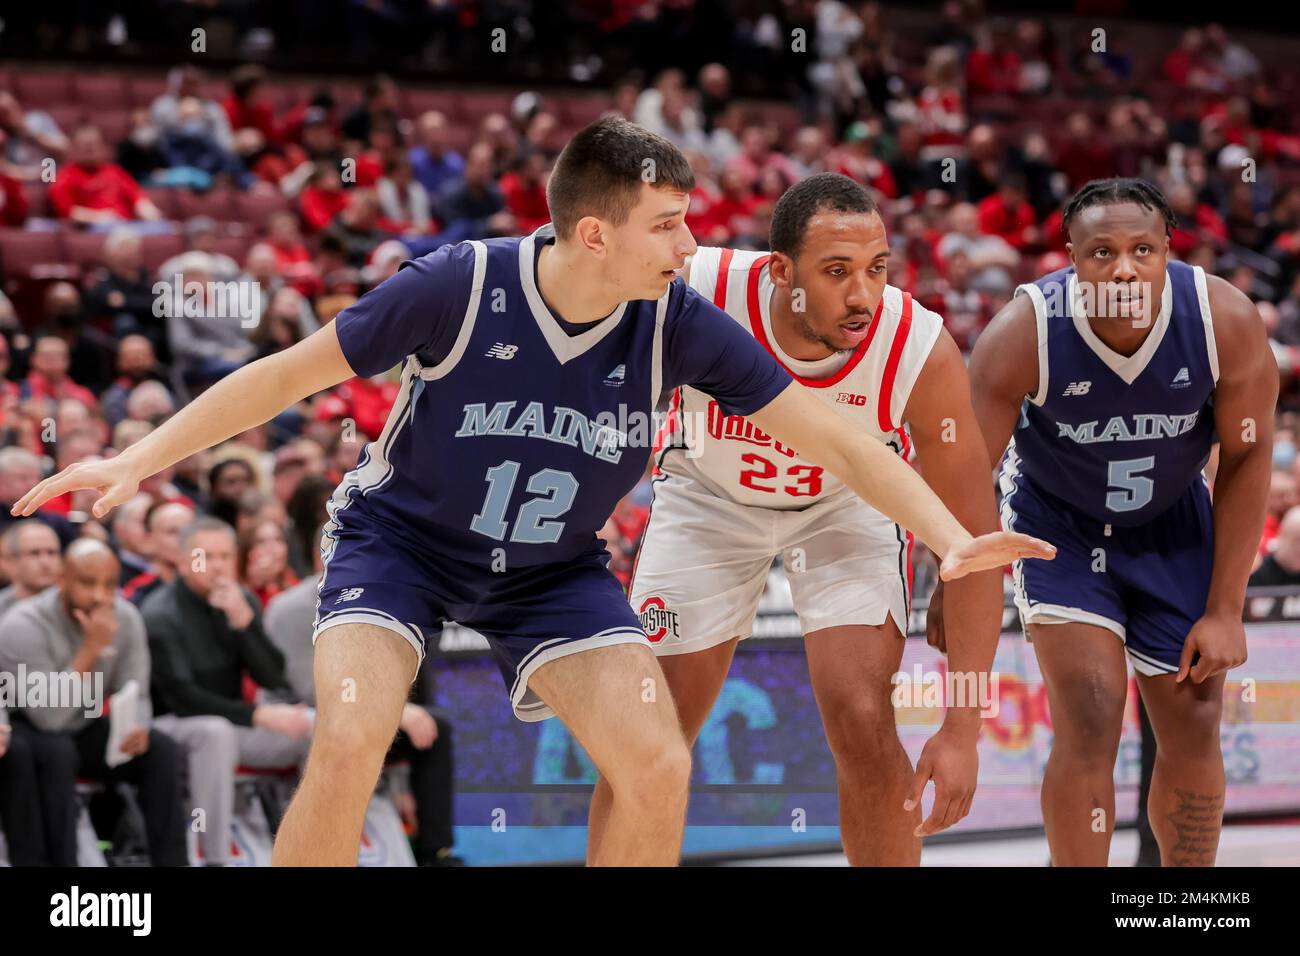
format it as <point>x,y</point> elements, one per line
<point>190,145</point>
<point>139,154</point>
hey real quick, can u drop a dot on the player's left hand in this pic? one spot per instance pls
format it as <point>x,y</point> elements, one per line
<point>1220,642</point>
<point>951,760</point>
<point>992,551</point>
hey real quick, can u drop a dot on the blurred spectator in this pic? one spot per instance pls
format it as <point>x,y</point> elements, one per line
<point>92,191</point>
<point>356,227</point>
<point>130,538</point>
<point>281,323</point>
<point>20,471</point>
<point>136,363</point>
<point>991,258</point>
<point>247,106</point>
<point>28,139</point>
<point>433,162</point>
<point>262,267</point>
<point>306,510</point>
<point>90,350</point>
<point>228,480</point>
<point>205,634</point>
<point>424,736</point>
<point>163,522</point>
<point>1008,215</point>
<point>32,557</point>
<point>139,154</point>
<point>263,565</point>
<point>201,236</point>
<point>380,105</point>
<point>195,156</point>
<point>48,379</point>
<point>124,295</point>
<point>385,261</point>
<point>206,346</point>
<point>525,193</point>
<point>203,116</point>
<point>323,199</point>
<point>13,203</point>
<point>82,627</point>
<point>1282,565</point>
<point>293,462</point>
<point>403,201</point>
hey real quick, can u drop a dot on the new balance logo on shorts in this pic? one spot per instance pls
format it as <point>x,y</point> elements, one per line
<point>658,621</point>
<point>1182,379</point>
<point>502,351</point>
<point>348,594</point>
<point>615,378</point>
<point>1077,388</point>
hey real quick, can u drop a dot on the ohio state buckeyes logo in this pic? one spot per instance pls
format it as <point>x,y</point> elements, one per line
<point>658,621</point>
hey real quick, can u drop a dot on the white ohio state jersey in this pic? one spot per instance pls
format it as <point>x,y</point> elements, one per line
<point>869,387</point>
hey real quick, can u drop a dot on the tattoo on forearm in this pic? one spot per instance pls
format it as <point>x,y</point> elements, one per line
<point>1197,821</point>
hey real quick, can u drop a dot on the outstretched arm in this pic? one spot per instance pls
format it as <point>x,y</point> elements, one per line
<point>242,400</point>
<point>887,483</point>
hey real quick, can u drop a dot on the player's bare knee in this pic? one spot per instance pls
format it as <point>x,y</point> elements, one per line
<point>861,733</point>
<point>660,774</point>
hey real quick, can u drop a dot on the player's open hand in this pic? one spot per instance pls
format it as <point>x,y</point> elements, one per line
<point>992,551</point>
<point>114,479</point>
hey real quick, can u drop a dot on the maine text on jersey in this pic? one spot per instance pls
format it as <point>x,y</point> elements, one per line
<point>568,426</point>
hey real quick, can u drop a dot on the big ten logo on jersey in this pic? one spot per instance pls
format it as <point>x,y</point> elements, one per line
<point>657,620</point>
<point>849,398</point>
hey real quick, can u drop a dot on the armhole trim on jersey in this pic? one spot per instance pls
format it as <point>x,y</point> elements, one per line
<point>657,353</point>
<point>1040,323</point>
<point>885,401</point>
<point>467,324</point>
<point>1207,318</point>
<point>902,391</point>
<point>720,283</point>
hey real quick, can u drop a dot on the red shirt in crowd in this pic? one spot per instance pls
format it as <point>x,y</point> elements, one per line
<point>997,219</point>
<point>527,203</point>
<point>320,206</point>
<point>38,386</point>
<point>108,186</point>
<point>990,72</point>
<point>258,115</point>
<point>13,204</point>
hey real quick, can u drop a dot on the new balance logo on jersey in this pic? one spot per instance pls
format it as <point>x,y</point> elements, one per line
<point>1077,388</point>
<point>615,378</point>
<point>348,594</point>
<point>502,351</point>
<point>1182,379</point>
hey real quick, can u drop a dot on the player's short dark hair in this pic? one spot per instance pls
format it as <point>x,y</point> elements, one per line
<point>1118,189</point>
<point>825,191</point>
<point>601,170</point>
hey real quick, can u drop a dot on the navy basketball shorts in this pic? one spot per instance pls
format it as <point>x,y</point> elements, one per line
<point>1148,584</point>
<point>530,616</point>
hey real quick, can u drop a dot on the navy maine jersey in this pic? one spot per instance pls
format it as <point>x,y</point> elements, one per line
<point>511,440</point>
<point>1118,438</point>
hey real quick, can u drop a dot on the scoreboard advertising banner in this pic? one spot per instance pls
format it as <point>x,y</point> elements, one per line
<point>763,777</point>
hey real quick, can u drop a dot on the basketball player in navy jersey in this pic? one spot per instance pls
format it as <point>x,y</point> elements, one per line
<point>530,370</point>
<point>1101,389</point>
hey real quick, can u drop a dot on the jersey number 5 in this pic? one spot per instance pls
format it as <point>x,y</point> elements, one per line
<point>1128,491</point>
<point>531,526</point>
<point>807,478</point>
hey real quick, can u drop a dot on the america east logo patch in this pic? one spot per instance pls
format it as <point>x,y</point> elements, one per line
<point>657,620</point>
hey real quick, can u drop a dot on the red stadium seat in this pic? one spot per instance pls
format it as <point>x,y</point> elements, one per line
<point>256,208</point>
<point>115,124</point>
<point>38,90</point>
<point>578,111</point>
<point>476,105</point>
<point>38,200</point>
<point>100,91</point>
<point>84,249</point>
<point>419,102</point>
<point>164,197</point>
<point>235,246</point>
<point>69,116</point>
<point>24,253</point>
<point>219,204</point>
<point>155,250</point>
<point>145,89</point>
